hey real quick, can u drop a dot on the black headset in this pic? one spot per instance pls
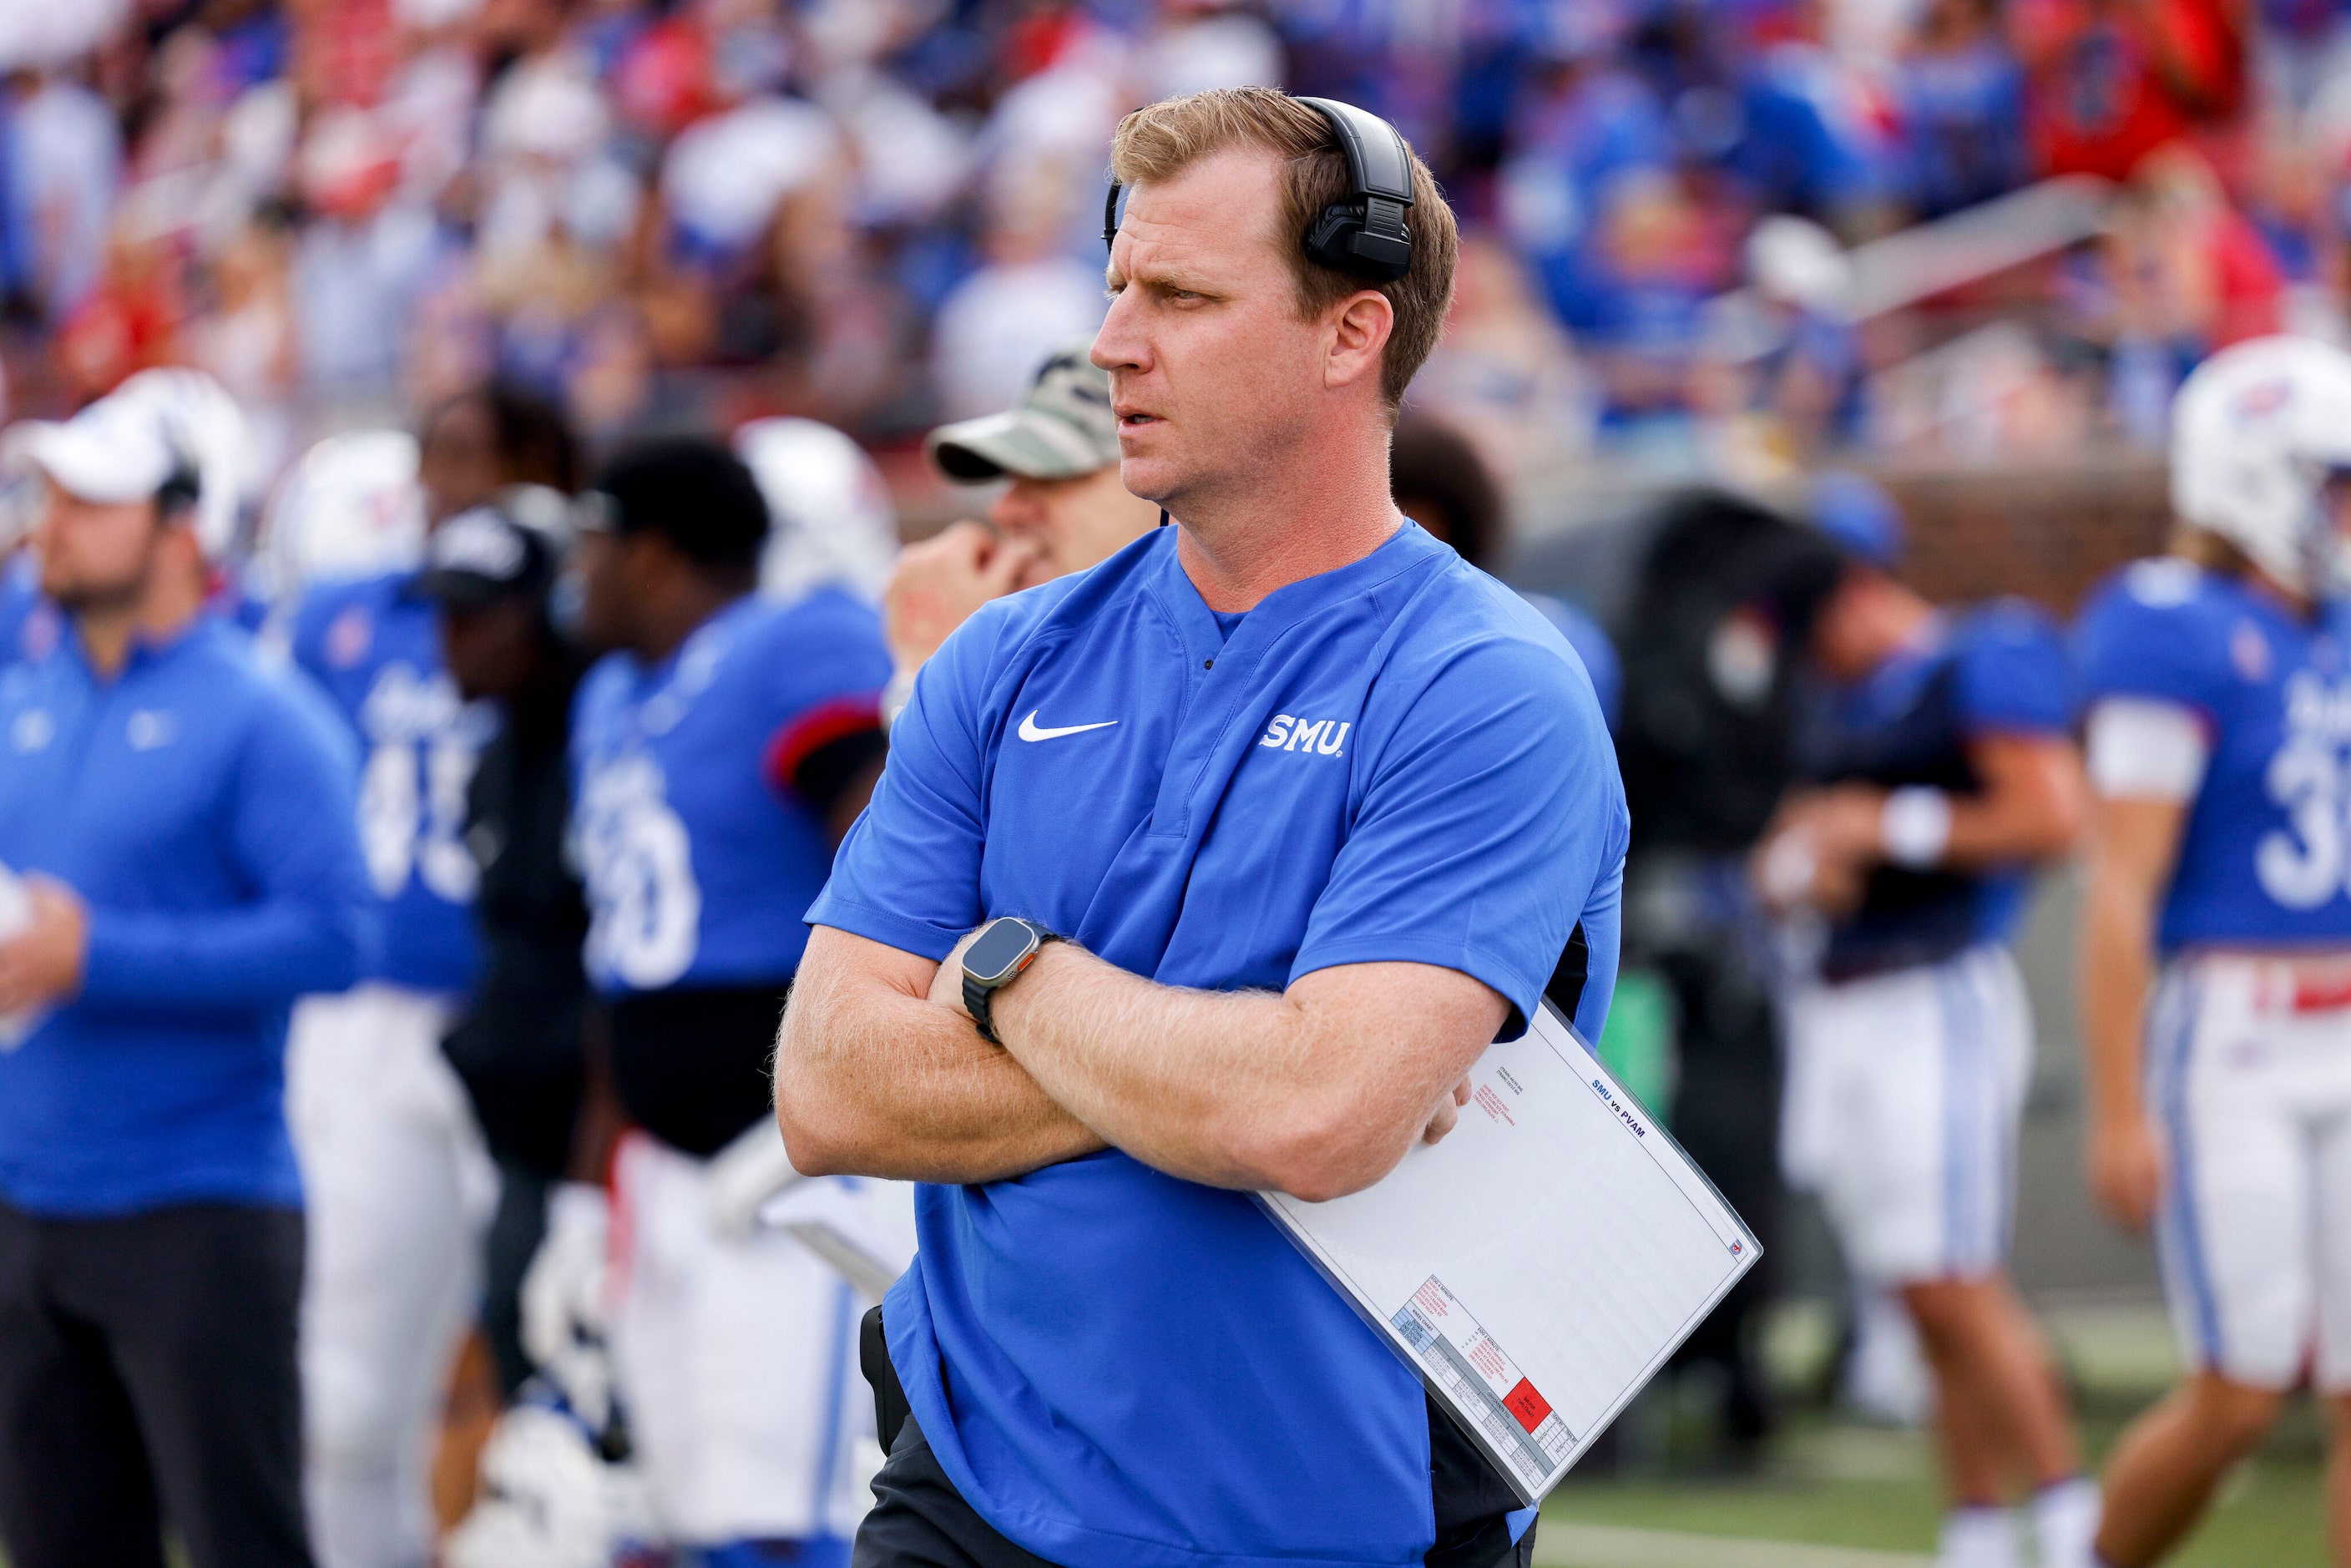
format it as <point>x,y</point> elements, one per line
<point>1366,233</point>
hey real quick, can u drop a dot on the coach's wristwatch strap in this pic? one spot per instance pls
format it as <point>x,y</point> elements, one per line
<point>974,1002</point>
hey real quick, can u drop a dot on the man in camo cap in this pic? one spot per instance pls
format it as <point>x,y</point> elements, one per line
<point>1062,510</point>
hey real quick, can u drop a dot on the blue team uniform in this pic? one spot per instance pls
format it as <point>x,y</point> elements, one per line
<point>375,646</point>
<point>700,822</point>
<point>1997,669</point>
<point>699,858</point>
<point>201,805</point>
<point>2264,857</point>
<point>1396,760</point>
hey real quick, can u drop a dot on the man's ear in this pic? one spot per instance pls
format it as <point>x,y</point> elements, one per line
<point>648,557</point>
<point>1360,326</point>
<point>181,549</point>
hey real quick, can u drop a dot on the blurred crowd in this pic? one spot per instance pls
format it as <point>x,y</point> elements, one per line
<point>884,213</point>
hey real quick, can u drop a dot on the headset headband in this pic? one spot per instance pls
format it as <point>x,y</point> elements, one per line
<point>1378,163</point>
<point>1366,233</point>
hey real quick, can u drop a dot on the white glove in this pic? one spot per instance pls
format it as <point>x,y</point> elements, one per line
<point>563,1309</point>
<point>547,1501</point>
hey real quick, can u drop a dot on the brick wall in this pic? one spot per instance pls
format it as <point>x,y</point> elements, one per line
<point>2049,534</point>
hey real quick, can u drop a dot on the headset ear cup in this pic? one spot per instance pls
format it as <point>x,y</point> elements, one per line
<point>1337,240</point>
<point>1326,238</point>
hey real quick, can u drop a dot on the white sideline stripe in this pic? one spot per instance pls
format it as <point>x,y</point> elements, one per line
<point>1562,1545</point>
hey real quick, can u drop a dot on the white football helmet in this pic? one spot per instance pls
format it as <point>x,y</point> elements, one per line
<point>834,522</point>
<point>351,508</point>
<point>2259,431</point>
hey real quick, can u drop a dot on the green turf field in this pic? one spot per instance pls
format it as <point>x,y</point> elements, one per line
<point>1836,1483</point>
<point>1859,1487</point>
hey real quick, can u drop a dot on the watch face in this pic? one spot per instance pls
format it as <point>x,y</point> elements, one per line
<point>995,956</point>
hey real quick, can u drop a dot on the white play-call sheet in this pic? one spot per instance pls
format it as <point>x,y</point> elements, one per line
<point>1537,1267</point>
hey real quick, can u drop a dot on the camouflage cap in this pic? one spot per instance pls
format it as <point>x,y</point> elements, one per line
<point>1064,428</point>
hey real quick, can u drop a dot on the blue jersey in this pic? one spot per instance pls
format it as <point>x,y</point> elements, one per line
<point>200,804</point>
<point>375,646</point>
<point>699,858</point>
<point>1395,762</point>
<point>2265,859</point>
<point>1997,669</point>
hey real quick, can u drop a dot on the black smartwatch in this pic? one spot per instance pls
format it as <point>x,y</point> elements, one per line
<point>1005,948</point>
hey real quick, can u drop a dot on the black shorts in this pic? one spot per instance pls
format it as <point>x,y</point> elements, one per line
<point>920,1520</point>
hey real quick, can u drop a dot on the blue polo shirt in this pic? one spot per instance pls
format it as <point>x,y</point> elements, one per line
<point>201,805</point>
<point>1397,760</point>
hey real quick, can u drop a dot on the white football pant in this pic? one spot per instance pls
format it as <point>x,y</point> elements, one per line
<point>2253,1093</point>
<point>1903,1096</point>
<point>398,1189</point>
<point>736,1361</point>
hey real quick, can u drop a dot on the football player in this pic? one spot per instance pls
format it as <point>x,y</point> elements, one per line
<point>2216,946</point>
<point>720,750</point>
<point>398,1182</point>
<point>1942,767</point>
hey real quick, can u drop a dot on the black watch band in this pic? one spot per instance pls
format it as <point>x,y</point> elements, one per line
<point>1005,948</point>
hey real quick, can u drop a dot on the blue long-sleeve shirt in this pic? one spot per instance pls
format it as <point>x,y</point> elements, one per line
<point>202,806</point>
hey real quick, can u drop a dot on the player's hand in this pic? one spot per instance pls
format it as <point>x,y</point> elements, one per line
<point>43,963</point>
<point>1791,870</point>
<point>1818,852</point>
<point>938,583</point>
<point>1449,1114</point>
<point>1845,822</point>
<point>564,1298</point>
<point>2126,1169</point>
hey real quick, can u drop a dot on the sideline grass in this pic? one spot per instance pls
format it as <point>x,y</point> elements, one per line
<point>1841,1484</point>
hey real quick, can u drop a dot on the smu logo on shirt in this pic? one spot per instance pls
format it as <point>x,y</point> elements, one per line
<point>1316,738</point>
<point>2306,862</point>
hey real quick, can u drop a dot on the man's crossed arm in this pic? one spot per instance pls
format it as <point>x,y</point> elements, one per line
<point>1317,1092</point>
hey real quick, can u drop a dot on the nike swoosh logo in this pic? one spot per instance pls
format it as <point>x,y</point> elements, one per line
<point>1028,730</point>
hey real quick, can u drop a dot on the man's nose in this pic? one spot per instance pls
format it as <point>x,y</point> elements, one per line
<point>1012,511</point>
<point>1119,345</point>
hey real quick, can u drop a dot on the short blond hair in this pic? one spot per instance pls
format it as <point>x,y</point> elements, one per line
<point>1159,140</point>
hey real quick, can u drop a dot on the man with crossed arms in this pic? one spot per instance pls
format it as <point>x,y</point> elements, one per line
<point>1313,810</point>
